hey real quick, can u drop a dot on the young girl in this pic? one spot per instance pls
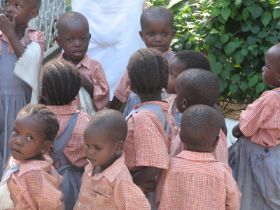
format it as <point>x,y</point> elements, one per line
<point>30,182</point>
<point>60,85</point>
<point>20,57</point>
<point>107,183</point>
<point>146,146</point>
<point>255,156</point>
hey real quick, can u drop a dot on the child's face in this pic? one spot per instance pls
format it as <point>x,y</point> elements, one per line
<point>175,68</point>
<point>74,39</point>
<point>157,33</point>
<point>271,71</point>
<point>100,150</point>
<point>27,140</point>
<point>19,11</point>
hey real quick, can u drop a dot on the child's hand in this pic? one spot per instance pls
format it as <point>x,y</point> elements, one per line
<point>6,26</point>
<point>87,84</point>
<point>236,132</point>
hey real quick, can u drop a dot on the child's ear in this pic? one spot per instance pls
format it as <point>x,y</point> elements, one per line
<point>185,103</point>
<point>173,32</point>
<point>89,37</point>
<point>141,35</point>
<point>57,39</point>
<point>47,147</point>
<point>216,142</point>
<point>119,148</point>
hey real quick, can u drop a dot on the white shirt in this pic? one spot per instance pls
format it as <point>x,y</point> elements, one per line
<point>114,27</point>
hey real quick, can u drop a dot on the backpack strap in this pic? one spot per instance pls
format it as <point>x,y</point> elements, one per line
<point>156,109</point>
<point>61,141</point>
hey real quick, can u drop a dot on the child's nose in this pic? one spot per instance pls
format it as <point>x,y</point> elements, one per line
<point>77,43</point>
<point>158,37</point>
<point>19,140</point>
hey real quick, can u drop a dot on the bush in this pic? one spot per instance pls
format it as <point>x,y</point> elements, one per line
<point>234,34</point>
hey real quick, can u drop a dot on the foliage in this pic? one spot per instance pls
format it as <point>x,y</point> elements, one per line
<point>234,34</point>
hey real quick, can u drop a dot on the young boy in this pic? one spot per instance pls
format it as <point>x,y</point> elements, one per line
<point>33,184</point>
<point>195,180</point>
<point>73,37</point>
<point>157,31</point>
<point>182,61</point>
<point>198,86</point>
<point>107,183</point>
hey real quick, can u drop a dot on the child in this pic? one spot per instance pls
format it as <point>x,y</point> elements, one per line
<point>180,62</point>
<point>20,46</point>
<point>255,160</point>
<point>106,182</point>
<point>30,182</point>
<point>198,86</point>
<point>195,180</point>
<point>157,31</point>
<point>60,85</point>
<point>146,146</point>
<point>73,37</point>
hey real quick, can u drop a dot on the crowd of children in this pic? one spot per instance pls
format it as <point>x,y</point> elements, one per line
<point>170,152</point>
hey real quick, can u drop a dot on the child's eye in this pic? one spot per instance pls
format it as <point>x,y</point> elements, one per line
<point>97,148</point>
<point>18,6</point>
<point>14,133</point>
<point>164,34</point>
<point>6,3</point>
<point>150,34</point>
<point>84,39</point>
<point>70,40</point>
<point>29,138</point>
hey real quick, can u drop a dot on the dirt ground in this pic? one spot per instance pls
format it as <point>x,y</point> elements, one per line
<point>233,110</point>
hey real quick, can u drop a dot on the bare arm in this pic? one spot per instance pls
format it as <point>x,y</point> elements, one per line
<point>146,177</point>
<point>8,28</point>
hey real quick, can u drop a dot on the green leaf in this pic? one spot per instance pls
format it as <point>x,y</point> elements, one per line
<point>238,2</point>
<point>245,14</point>
<point>260,88</point>
<point>225,13</point>
<point>238,58</point>
<point>212,58</point>
<point>224,38</point>
<point>215,12</point>
<point>253,81</point>
<point>244,52</point>
<point>276,13</point>
<point>231,46</point>
<point>266,17</point>
<point>216,67</point>
<point>255,29</point>
<point>243,86</point>
<point>233,88</point>
<point>256,11</point>
<point>236,78</point>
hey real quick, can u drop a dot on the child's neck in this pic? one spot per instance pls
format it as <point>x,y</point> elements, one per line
<point>147,98</point>
<point>74,62</point>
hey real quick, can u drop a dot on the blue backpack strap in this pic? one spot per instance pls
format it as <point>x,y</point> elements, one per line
<point>61,141</point>
<point>156,109</point>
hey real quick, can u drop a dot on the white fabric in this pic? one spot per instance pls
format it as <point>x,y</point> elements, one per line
<point>5,195</point>
<point>86,102</point>
<point>114,27</point>
<point>27,68</point>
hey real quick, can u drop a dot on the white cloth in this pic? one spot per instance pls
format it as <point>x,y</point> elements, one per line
<point>114,27</point>
<point>5,195</point>
<point>86,102</point>
<point>27,68</point>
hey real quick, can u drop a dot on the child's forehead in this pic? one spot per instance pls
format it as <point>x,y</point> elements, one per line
<point>73,26</point>
<point>156,21</point>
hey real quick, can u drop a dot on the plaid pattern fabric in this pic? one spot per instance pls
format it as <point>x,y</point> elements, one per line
<point>36,186</point>
<point>220,153</point>
<point>75,149</point>
<point>196,181</point>
<point>260,121</point>
<point>146,143</point>
<point>111,189</point>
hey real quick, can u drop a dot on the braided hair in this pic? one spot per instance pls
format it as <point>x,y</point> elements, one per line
<point>148,71</point>
<point>61,82</point>
<point>43,116</point>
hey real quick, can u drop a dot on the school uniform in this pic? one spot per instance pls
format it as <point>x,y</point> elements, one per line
<point>197,181</point>
<point>35,186</point>
<point>111,189</point>
<point>254,158</point>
